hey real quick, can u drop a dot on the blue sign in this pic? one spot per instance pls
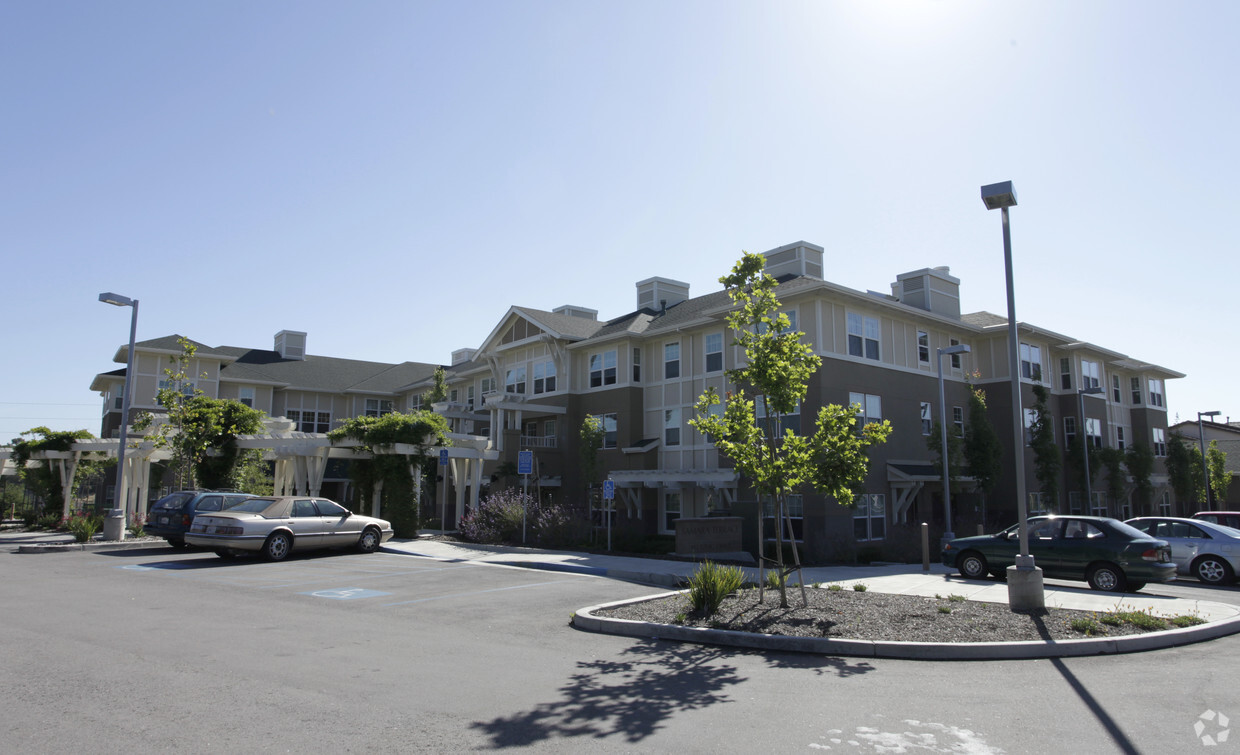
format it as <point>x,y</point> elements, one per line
<point>443,457</point>
<point>609,490</point>
<point>525,462</point>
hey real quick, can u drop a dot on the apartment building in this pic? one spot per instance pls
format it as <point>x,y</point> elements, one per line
<point>534,378</point>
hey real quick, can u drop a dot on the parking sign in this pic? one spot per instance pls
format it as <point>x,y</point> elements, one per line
<point>525,462</point>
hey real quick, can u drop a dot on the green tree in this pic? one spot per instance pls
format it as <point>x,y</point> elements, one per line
<point>438,391</point>
<point>1076,461</point>
<point>983,452</point>
<point>591,441</point>
<point>1139,460</point>
<point>955,454</point>
<point>769,387</point>
<point>1220,478</point>
<point>1112,459</point>
<point>1047,458</point>
<point>1184,469</point>
<point>398,500</point>
<point>42,478</point>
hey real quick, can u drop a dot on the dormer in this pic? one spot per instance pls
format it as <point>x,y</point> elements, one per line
<point>660,293</point>
<point>291,344</point>
<point>932,289</point>
<point>799,258</point>
<point>573,311</point>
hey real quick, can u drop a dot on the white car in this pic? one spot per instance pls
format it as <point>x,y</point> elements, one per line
<point>1210,552</point>
<point>275,527</point>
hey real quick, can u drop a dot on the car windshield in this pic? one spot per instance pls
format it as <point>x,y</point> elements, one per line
<point>254,505</point>
<point>173,501</point>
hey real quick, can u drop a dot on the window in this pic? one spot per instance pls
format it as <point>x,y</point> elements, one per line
<point>603,368</point>
<point>1069,430</point>
<point>863,336</point>
<point>955,357</point>
<point>671,360</point>
<point>670,512</point>
<point>637,365</point>
<point>1156,393</point>
<point>958,420</point>
<point>671,427</point>
<point>1031,362</point>
<point>923,347</point>
<point>1135,385</point>
<point>1037,503</point>
<point>453,395</point>
<point>1031,419</point>
<point>488,385</point>
<point>310,422</point>
<point>1098,506</point>
<point>1164,504</point>
<point>187,387</point>
<point>469,397</point>
<point>246,396</point>
<point>869,517</point>
<point>1074,501</point>
<point>870,408</point>
<point>1116,394</point>
<point>794,510</point>
<point>544,377</point>
<point>714,352</point>
<point>1093,432</point>
<point>1119,439</point>
<point>549,428</point>
<point>1160,442</point>
<point>1089,374</point>
<point>514,380</point>
<point>376,407</point>
<point>790,421</point>
<point>1065,373</point>
<point>609,430</point>
<point>927,418</point>
<point>415,402</point>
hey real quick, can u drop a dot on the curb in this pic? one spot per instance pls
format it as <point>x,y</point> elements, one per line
<point>115,545</point>
<point>585,619</point>
<point>661,579</point>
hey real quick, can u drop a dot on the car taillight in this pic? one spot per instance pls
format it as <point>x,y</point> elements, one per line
<point>1155,554</point>
<point>186,519</point>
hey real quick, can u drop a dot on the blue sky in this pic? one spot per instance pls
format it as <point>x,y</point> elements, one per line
<point>391,176</point>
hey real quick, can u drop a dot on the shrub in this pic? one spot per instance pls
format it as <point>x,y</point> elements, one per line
<point>560,526</point>
<point>711,583</point>
<point>498,517</point>
<point>137,524</point>
<point>83,528</point>
<point>48,521</point>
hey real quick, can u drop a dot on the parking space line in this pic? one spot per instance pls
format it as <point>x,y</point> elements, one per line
<point>343,576</point>
<point>475,592</point>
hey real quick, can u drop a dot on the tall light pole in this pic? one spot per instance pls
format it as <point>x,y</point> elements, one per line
<point>1025,591</point>
<point>114,525</point>
<point>1089,485</point>
<point>947,483</point>
<point>1205,468</point>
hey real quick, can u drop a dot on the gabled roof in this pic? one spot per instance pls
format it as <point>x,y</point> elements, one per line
<point>170,345</point>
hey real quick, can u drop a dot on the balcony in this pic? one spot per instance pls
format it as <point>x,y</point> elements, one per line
<point>538,441</point>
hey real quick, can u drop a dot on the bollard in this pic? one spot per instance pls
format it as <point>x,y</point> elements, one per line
<point>925,547</point>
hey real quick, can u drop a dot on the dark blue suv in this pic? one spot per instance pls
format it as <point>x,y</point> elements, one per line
<point>172,515</point>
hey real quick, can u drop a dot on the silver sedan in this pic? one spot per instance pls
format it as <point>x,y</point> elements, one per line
<point>275,527</point>
<point>1209,552</point>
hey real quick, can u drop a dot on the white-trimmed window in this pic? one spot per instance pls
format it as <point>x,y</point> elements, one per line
<point>955,357</point>
<point>671,427</point>
<point>790,421</point>
<point>1090,374</point>
<point>469,397</point>
<point>1160,442</point>
<point>794,509</point>
<point>1156,392</point>
<point>671,360</point>
<point>488,385</point>
<point>669,511</point>
<point>609,429</point>
<point>453,395</point>
<point>309,421</point>
<point>958,420</point>
<point>1037,503</point>
<point>1135,386</point>
<point>1074,501</point>
<point>1069,430</point>
<point>1065,373</point>
<point>923,347</point>
<point>1120,441</point>
<point>714,352</point>
<point>1164,504</point>
<point>514,380</point>
<point>1031,418</point>
<point>871,408</point>
<point>1098,506</point>
<point>544,377</point>
<point>1093,432</point>
<point>377,407</point>
<point>415,402</point>
<point>863,336</point>
<point>870,517</point>
<point>246,396</point>
<point>1031,362</point>
<point>637,365</point>
<point>1116,394</point>
<point>927,418</point>
<point>603,368</point>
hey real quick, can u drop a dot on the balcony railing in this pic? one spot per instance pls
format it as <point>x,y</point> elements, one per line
<point>538,441</point>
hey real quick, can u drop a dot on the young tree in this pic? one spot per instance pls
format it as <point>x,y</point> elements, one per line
<point>955,454</point>
<point>771,385</point>
<point>1139,460</point>
<point>591,441</point>
<point>438,391</point>
<point>1112,459</point>
<point>1047,458</point>
<point>982,451</point>
<point>1184,470</point>
<point>1220,478</point>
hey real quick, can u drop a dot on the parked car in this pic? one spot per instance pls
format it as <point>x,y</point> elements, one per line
<point>171,516</point>
<point>1105,552</point>
<point>1225,518</point>
<point>277,526</point>
<point>1210,552</point>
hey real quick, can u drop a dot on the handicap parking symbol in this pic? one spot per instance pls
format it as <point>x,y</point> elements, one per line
<point>345,593</point>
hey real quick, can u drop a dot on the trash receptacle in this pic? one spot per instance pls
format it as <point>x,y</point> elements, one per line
<point>114,525</point>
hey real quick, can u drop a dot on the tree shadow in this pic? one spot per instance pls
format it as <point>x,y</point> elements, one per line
<point>628,698</point>
<point>821,665</point>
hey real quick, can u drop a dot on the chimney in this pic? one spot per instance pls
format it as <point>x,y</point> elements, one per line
<point>660,293</point>
<point>932,289</point>
<point>291,344</point>
<point>799,258</point>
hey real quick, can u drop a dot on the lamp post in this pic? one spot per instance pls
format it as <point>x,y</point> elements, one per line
<point>1025,578</point>
<point>947,484</point>
<point>1205,468</point>
<point>114,524</point>
<point>1089,487</point>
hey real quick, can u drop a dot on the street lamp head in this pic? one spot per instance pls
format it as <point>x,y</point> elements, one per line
<point>116,300</point>
<point>1208,414</point>
<point>1002,194</point>
<point>960,348</point>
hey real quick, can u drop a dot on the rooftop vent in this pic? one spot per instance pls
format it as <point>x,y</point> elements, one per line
<point>573,311</point>
<point>291,344</point>
<point>932,289</point>
<point>660,293</point>
<point>798,258</point>
<point>461,356</point>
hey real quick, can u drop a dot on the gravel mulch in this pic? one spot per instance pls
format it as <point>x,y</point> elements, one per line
<point>848,614</point>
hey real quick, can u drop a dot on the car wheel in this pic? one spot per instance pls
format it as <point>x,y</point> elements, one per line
<point>277,546</point>
<point>177,543</point>
<point>972,565</point>
<point>370,540</point>
<point>1212,570</point>
<point>225,554</point>
<point>1107,578</point>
